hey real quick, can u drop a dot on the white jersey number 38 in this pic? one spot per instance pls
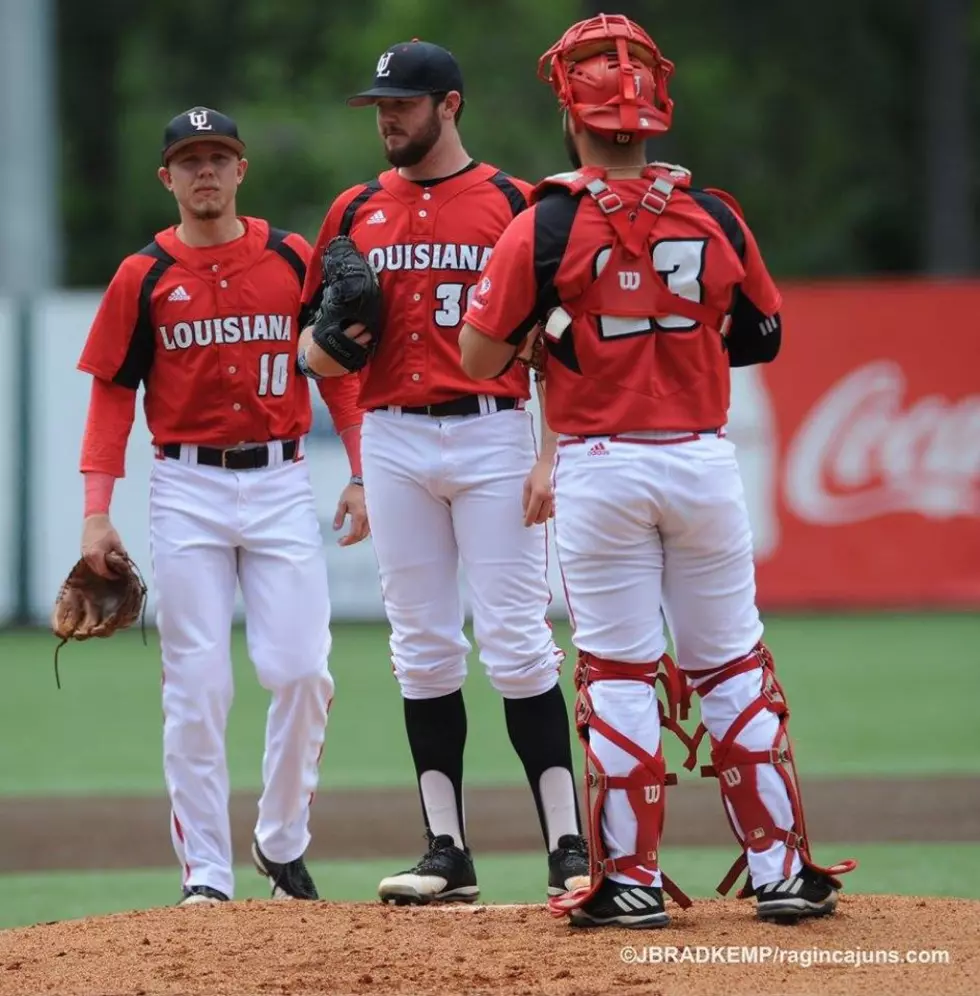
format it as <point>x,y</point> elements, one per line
<point>451,308</point>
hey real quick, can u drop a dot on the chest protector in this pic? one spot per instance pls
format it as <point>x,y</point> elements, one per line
<point>613,294</point>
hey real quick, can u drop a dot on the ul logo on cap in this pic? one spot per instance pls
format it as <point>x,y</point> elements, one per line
<point>200,120</point>
<point>382,67</point>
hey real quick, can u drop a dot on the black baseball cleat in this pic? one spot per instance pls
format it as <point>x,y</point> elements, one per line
<point>289,881</point>
<point>444,875</point>
<point>568,865</point>
<point>202,895</point>
<point>617,904</point>
<point>809,893</point>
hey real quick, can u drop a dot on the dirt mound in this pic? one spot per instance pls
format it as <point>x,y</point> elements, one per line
<point>304,948</point>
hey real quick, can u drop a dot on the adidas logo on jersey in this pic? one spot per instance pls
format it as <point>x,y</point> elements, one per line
<point>378,218</point>
<point>598,450</point>
<point>179,294</point>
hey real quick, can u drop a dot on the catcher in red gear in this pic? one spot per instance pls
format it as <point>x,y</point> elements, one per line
<point>648,290</point>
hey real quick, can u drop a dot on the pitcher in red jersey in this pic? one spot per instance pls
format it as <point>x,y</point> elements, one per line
<point>450,472</point>
<point>648,290</point>
<point>207,318</point>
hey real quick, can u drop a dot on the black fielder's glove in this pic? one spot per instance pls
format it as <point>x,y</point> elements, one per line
<point>351,294</point>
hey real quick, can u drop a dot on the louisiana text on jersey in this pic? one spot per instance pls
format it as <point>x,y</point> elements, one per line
<point>429,243</point>
<point>212,333</point>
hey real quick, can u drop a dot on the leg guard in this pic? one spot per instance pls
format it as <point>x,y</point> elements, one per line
<point>644,784</point>
<point>736,767</point>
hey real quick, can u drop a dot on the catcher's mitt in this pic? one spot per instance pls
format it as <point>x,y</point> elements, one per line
<point>90,605</point>
<point>351,293</point>
<point>533,353</point>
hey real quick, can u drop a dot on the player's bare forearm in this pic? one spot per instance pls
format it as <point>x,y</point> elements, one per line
<point>549,438</point>
<point>539,495</point>
<point>316,359</point>
<point>482,357</point>
<point>352,503</point>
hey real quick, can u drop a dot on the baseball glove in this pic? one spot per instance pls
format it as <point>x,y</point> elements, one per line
<point>90,605</point>
<point>351,293</point>
<point>532,354</point>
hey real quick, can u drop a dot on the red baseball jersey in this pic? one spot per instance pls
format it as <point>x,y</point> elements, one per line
<point>626,362</point>
<point>212,332</point>
<point>429,242</point>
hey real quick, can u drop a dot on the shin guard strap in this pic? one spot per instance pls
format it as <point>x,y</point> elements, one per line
<point>735,767</point>
<point>705,682</point>
<point>676,702</point>
<point>644,785</point>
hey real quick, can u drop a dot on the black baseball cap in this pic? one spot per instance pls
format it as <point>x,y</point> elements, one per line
<point>200,124</point>
<point>412,69</point>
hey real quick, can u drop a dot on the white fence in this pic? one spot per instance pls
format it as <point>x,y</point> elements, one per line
<point>59,398</point>
<point>8,463</point>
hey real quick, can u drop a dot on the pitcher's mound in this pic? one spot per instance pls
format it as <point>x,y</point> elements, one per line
<point>874,944</point>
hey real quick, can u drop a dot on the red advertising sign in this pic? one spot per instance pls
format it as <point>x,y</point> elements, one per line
<point>871,492</point>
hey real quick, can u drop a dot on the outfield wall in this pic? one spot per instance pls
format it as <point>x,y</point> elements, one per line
<point>859,447</point>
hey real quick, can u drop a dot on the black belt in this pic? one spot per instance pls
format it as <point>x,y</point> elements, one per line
<point>468,405</point>
<point>235,458</point>
<point>718,431</point>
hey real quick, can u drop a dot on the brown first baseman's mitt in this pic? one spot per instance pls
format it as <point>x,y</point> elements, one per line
<point>90,605</point>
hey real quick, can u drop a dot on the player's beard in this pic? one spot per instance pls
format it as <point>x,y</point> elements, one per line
<point>209,213</point>
<point>419,146</point>
<point>209,207</point>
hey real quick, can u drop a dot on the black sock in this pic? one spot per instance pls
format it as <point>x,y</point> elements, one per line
<point>538,729</point>
<point>436,731</point>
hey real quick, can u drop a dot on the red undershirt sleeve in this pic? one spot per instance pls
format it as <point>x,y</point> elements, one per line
<point>111,412</point>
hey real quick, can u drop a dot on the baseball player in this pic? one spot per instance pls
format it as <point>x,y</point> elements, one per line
<point>206,317</point>
<point>450,471</point>
<point>649,289</point>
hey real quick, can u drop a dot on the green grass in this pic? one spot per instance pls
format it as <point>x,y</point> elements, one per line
<point>869,695</point>
<point>903,869</point>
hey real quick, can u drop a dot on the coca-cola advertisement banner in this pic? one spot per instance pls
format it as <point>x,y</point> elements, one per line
<point>861,448</point>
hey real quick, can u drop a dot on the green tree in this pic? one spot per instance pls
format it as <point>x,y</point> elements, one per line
<point>813,117</point>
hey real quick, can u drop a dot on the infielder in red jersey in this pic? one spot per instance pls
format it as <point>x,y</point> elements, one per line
<point>450,472</point>
<point>207,318</point>
<point>648,290</point>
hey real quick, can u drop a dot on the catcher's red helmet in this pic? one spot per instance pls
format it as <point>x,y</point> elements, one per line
<point>610,76</point>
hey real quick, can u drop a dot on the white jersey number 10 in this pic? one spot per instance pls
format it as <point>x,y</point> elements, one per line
<point>274,374</point>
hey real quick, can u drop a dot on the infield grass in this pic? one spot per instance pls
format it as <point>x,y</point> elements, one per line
<point>903,869</point>
<point>869,695</point>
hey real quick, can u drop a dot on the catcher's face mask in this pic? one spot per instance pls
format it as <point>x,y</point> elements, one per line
<point>611,78</point>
